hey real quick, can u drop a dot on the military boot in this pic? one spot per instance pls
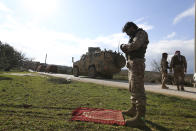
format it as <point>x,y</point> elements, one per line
<point>139,119</point>
<point>178,88</point>
<point>182,88</point>
<point>131,112</point>
<point>165,87</point>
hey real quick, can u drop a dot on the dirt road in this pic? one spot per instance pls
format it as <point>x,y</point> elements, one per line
<point>189,92</point>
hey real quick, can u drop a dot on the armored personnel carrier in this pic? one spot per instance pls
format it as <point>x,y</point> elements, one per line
<point>99,63</point>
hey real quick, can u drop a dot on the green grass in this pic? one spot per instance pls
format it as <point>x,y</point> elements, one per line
<point>46,103</point>
<point>14,71</point>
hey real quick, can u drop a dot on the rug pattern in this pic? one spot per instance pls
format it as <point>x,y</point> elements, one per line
<point>104,116</point>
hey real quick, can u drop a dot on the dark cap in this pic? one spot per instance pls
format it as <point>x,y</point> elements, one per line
<point>177,52</point>
<point>164,54</point>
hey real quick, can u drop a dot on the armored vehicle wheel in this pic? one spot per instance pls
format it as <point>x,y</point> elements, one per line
<point>75,71</point>
<point>92,72</point>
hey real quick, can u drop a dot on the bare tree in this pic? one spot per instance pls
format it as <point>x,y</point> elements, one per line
<point>155,65</point>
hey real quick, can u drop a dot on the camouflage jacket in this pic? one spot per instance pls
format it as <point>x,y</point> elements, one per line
<point>137,44</point>
<point>178,61</point>
<point>164,65</point>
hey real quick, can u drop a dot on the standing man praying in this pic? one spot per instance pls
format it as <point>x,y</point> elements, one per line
<point>135,52</point>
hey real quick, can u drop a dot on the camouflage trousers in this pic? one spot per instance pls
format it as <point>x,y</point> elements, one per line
<point>136,81</point>
<point>164,78</point>
<point>179,76</point>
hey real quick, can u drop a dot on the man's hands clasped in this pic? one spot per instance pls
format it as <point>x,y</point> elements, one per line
<point>124,48</point>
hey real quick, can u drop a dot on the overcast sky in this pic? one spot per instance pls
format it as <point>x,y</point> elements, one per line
<point>66,28</point>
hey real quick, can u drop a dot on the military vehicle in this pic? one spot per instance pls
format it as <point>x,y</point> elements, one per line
<point>99,63</point>
<point>51,68</point>
<point>41,68</point>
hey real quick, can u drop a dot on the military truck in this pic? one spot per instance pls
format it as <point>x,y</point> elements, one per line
<point>99,63</point>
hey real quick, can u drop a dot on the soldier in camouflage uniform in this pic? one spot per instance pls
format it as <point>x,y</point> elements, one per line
<point>135,52</point>
<point>164,67</point>
<point>179,66</point>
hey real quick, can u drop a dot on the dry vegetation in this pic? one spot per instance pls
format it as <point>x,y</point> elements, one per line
<point>155,77</point>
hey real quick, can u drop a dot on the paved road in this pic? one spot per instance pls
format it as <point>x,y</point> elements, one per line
<point>189,92</point>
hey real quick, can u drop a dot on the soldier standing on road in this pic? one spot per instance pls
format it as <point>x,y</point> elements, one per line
<point>164,67</point>
<point>135,52</point>
<point>179,66</point>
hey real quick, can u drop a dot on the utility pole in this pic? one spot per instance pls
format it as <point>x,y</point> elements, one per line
<point>72,59</point>
<point>118,45</point>
<point>45,58</point>
<point>195,51</point>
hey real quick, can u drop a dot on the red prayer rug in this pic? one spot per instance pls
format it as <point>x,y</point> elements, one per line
<point>105,116</point>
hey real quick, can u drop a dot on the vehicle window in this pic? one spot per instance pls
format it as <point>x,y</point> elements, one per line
<point>83,57</point>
